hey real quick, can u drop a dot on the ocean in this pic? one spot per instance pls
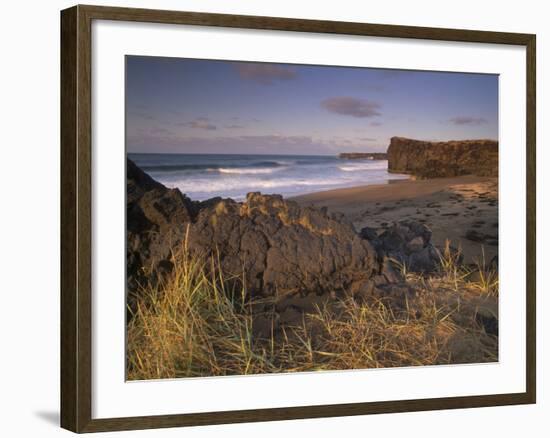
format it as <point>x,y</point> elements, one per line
<point>233,176</point>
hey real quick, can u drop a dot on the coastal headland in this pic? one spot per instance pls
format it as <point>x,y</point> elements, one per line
<point>363,155</point>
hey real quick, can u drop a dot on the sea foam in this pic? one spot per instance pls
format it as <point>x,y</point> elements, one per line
<point>233,176</point>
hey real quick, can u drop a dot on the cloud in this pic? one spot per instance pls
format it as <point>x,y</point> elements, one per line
<point>376,123</point>
<point>234,127</point>
<point>351,106</point>
<point>199,123</point>
<point>367,139</point>
<point>466,120</point>
<point>265,74</point>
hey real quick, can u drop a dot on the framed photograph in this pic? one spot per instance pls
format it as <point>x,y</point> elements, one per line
<point>269,218</point>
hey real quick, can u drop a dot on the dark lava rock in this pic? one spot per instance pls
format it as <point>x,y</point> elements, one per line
<point>425,260</point>
<point>369,233</point>
<point>155,218</point>
<point>443,159</point>
<point>280,249</point>
<point>407,242</point>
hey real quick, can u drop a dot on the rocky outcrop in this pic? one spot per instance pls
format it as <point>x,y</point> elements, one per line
<point>155,219</point>
<point>408,243</point>
<point>443,159</point>
<point>283,249</point>
<point>274,246</point>
<point>363,156</point>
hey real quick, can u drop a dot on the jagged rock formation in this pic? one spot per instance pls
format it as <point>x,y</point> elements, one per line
<point>363,155</point>
<point>155,218</point>
<point>407,242</point>
<point>284,249</point>
<point>281,248</point>
<point>443,159</point>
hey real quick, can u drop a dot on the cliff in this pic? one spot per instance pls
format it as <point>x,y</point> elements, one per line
<point>363,155</point>
<point>443,159</point>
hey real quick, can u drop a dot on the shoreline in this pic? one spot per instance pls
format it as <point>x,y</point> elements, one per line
<point>391,191</point>
<point>462,209</point>
<point>203,177</point>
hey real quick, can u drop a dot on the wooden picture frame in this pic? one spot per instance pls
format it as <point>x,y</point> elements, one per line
<point>76,217</point>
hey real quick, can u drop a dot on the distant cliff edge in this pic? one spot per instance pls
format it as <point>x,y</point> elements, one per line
<point>443,159</point>
<point>363,156</point>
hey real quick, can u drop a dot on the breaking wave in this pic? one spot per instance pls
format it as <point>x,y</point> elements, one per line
<point>233,176</point>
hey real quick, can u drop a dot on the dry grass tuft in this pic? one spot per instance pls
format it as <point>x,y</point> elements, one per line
<point>194,325</point>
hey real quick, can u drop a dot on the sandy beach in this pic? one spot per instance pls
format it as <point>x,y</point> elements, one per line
<point>463,210</point>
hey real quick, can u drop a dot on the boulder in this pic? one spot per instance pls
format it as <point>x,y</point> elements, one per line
<point>408,243</point>
<point>369,233</point>
<point>281,248</point>
<point>155,219</point>
<point>275,247</point>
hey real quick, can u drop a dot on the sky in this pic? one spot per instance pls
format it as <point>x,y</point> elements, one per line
<point>176,105</point>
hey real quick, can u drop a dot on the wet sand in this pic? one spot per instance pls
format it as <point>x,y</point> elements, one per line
<point>463,210</point>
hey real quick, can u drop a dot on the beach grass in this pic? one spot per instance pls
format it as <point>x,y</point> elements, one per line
<point>192,325</point>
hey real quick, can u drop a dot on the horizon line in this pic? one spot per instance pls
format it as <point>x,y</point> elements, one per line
<point>249,154</point>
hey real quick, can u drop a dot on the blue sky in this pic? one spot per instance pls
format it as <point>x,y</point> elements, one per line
<point>203,106</point>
